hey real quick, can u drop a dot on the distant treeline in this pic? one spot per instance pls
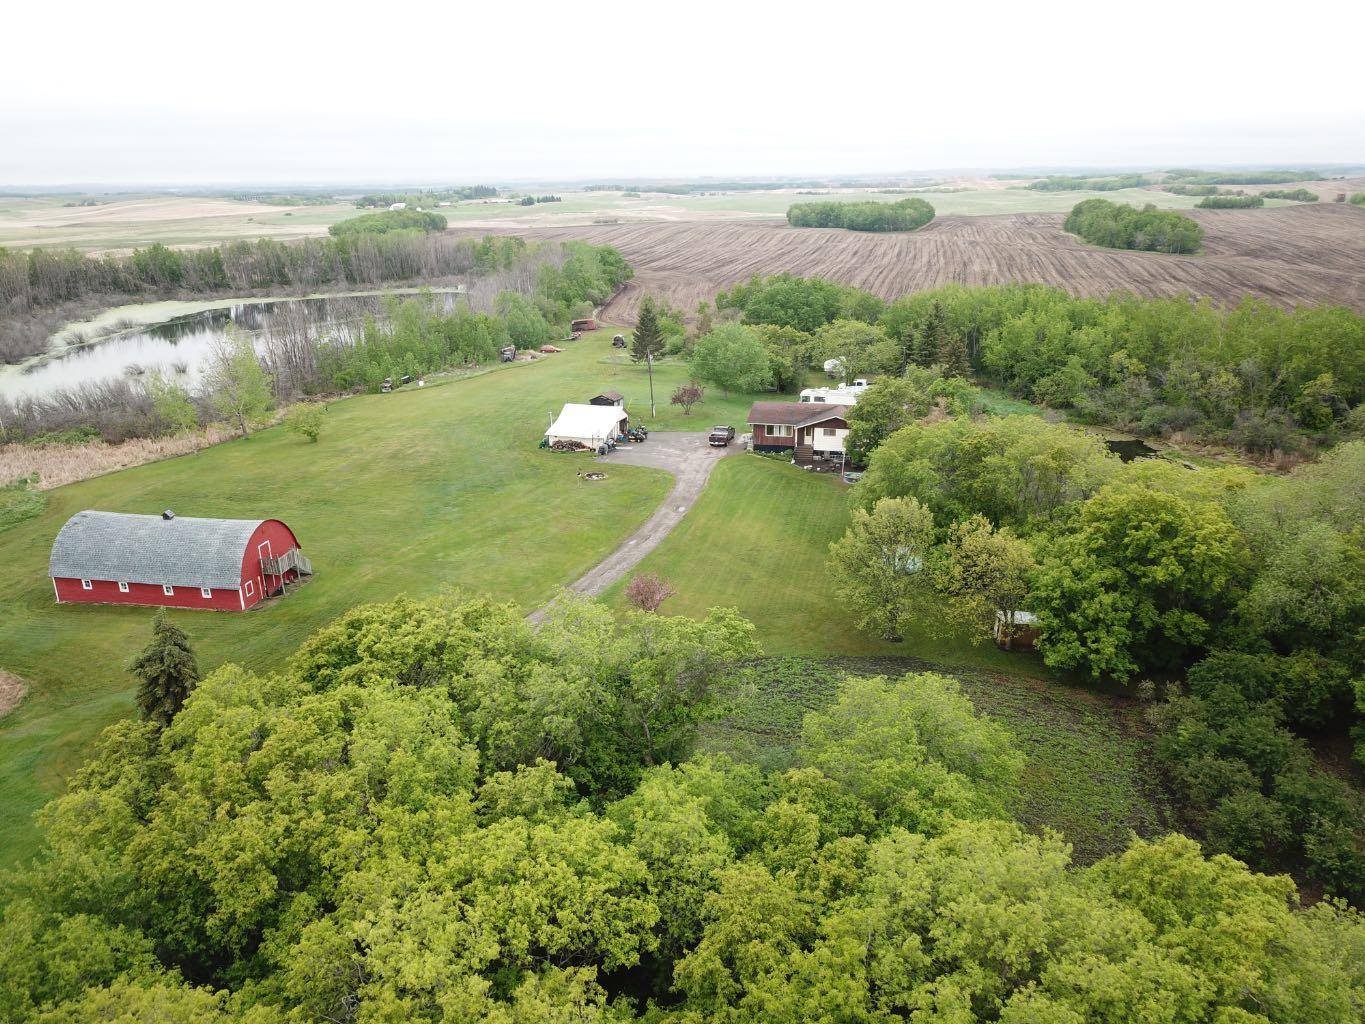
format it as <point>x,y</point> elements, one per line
<point>1253,375</point>
<point>1119,226</point>
<point>284,198</point>
<point>427,197</point>
<point>1298,195</point>
<point>44,288</point>
<point>1193,190</point>
<point>1194,177</point>
<point>532,200</point>
<point>903,215</point>
<point>1078,183</point>
<point>1230,202</point>
<point>388,220</point>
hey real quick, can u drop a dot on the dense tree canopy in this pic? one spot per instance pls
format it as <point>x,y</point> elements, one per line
<point>901,215</point>
<point>388,220</point>
<point>1013,470</point>
<point>386,830</point>
<point>1120,226</point>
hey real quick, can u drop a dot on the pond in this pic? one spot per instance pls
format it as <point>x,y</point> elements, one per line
<point>177,347</point>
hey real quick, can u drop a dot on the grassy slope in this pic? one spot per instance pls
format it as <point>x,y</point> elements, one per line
<point>406,493</point>
<point>757,540</point>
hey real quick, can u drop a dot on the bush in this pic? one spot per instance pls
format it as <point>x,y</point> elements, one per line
<point>305,420</point>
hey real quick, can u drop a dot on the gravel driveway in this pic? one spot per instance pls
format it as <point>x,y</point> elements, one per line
<point>690,459</point>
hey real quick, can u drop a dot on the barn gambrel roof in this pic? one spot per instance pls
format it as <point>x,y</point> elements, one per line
<point>178,552</point>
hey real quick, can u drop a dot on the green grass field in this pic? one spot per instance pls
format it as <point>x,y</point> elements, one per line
<point>405,493</point>
<point>757,540</point>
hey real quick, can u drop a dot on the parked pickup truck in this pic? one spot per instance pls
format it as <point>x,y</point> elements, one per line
<point>720,436</point>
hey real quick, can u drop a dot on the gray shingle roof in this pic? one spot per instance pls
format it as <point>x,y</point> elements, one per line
<point>177,552</point>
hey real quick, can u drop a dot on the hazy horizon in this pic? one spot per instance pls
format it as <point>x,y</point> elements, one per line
<point>293,97</point>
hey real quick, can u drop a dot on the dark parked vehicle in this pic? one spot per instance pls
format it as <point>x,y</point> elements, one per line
<point>720,436</point>
<point>508,354</point>
<point>618,341</point>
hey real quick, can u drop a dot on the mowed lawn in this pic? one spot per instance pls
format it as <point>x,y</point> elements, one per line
<point>757,540</point>
<point>406,493</point>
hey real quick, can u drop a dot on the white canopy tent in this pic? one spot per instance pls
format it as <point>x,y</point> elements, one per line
<point>589,425</point>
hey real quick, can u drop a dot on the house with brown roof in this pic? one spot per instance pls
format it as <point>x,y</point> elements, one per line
<point>809,431</point>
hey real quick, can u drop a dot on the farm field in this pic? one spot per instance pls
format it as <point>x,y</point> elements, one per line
<point>1305,254</point>
<point>405,493</point>
<point>123,222</point>
<point>126,222</point>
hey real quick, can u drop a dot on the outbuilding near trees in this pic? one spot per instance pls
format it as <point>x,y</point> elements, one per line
<point>173,561</point>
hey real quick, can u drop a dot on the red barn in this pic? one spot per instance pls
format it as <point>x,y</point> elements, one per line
<point>224,564</point>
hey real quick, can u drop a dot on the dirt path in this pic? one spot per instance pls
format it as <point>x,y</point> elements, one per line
<point>12,690</point>
<point>690,459</point>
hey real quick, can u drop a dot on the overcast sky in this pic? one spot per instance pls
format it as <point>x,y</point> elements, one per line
<point>283,92</point>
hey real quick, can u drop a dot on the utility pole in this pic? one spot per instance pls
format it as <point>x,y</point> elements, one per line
<point>649,361</point>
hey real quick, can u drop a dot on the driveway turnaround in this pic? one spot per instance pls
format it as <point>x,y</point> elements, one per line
<point>690,459</point>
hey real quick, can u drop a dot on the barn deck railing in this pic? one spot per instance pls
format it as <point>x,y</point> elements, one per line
<point>281,564</point>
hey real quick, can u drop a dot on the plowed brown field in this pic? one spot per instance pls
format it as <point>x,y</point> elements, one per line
<point>1286,255</point>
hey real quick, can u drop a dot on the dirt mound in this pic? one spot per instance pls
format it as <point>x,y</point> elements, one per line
<point>12,691</point>
<point>1286,255</point>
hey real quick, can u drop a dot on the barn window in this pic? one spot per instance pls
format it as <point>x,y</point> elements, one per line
<point>830,431</point>
<point>87,585</point>
<point>168,590</point>
<point>123,588</point>
<point>205,592</point>
<point>249,589</point>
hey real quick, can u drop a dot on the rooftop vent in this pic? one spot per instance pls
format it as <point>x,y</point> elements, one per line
<point>168,515</point>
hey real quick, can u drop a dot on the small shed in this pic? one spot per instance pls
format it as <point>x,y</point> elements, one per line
<point>173,561</point>
<point>1016,630</point>
<point>584,323</point>
<point>608,398</point>
<point>588,425</point>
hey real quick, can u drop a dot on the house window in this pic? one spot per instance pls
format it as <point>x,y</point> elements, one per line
<point>87,585</point>
<point>829,431</point>
<point>123,588</point>
<point>819,399</point>
<point>205,592</point>
<point>249,589</point>
<point>778,431</point>
<point>169,591</point>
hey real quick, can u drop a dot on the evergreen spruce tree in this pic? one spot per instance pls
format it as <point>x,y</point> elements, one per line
<point>649,336</point>
<point>952,356</point>
<point>166,671</point>
<point>930,338</point>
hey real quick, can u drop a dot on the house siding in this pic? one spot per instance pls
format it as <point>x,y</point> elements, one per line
<point>764,442</point>
<point>107,592</point>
